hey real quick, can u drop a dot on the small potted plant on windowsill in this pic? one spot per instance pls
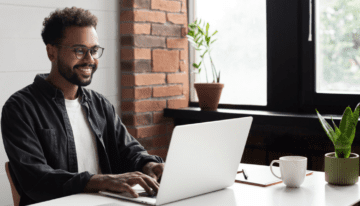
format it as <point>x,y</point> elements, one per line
<point>342,166</point>
<point>208,93</point>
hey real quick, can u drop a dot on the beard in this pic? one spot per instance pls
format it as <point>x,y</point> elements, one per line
<point>71,76</point>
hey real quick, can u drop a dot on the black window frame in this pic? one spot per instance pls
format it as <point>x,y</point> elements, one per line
<point>331,102</point>
<point>290,63</point>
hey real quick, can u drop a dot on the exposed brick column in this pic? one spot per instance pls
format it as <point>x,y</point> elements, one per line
<point>154,68</point>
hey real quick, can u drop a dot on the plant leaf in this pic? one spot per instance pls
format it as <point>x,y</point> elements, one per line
<point>196,40</point>
<point>200,44</point>
<point>207,39</point>
<point>213,41</point>
<point>191,33</point>
<point>192,27</point>
<point>196,35</point>
<point>214,33</point>
<point>356,114</point>
<point>337,130</point>
<point>200,30</point>
<point>352,136</point>
<point>195,65</point>
<point>346,122</point>
<point>345,140</point>
<point>327,128</point>
<point>347,127</point>
<point>207,29</point>
<point>204,53</point>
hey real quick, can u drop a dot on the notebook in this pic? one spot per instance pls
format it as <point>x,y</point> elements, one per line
<point>202,158</point>
<point>261,176</point>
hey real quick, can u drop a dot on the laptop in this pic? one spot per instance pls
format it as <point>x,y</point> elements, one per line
<point>202,158</point>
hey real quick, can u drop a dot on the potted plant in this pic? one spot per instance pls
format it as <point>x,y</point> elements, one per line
<point>208,93</point>
<point>342,166</point>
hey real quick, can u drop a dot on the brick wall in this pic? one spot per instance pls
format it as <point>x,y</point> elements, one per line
<point>154,68</point>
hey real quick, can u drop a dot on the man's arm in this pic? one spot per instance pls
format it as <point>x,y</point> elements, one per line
<point>36,178</point>
<point>131,151</point>
<point>154,170</point>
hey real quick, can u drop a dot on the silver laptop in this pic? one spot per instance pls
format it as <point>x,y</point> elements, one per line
<point>202,158</point>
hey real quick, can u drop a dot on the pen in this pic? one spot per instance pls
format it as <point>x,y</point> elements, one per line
<point>245,175</point>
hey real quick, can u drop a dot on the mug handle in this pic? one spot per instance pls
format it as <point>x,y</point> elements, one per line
<point>272,162</point>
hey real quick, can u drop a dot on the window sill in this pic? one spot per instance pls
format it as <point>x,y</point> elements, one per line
<point>273,134</point>
<point>309,121</point>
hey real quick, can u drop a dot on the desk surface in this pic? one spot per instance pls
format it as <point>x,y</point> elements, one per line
<point>314,191</point>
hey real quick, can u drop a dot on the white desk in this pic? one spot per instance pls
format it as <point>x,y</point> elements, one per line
<point>314,191</point>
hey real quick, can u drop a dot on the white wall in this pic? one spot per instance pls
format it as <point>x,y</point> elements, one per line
<point>23,54</point>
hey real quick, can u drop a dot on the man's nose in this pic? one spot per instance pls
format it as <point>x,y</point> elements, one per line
<point>88,57</point>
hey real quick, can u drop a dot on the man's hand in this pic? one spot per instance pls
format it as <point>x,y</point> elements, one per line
<point>122,183</point>
<point>154,169</point>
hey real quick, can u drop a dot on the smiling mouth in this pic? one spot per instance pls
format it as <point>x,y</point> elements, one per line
<point>85,70</point>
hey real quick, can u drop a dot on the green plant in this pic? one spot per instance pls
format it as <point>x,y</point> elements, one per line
<point>342,137</point>
<point>199,38</point>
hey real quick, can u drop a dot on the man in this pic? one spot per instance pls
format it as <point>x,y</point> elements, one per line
<point>63,139</point>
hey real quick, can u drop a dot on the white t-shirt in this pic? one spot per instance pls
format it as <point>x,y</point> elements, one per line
<point>85,142</point>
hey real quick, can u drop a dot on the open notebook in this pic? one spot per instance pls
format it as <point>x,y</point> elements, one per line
<point>261,176</point>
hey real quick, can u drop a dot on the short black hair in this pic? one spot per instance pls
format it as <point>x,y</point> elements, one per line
<point>59,20</point>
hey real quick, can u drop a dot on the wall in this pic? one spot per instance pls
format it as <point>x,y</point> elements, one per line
<point>154,68</point>
<point>23,53</point>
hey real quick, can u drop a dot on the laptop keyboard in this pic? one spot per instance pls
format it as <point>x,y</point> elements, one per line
<point>145,194</point>
<point>142,194</point>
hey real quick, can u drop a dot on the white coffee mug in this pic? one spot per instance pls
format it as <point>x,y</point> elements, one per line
<point>293,170</point>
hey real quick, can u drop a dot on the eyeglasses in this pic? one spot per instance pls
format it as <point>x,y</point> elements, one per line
<point>81,52</point>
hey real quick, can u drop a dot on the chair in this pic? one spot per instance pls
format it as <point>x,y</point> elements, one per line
<point>15,194</point>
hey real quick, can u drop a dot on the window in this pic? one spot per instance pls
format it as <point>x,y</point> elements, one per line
<point>239,52</point>
<point>330,61</point>
<point>337,46</point>
<point>298,76</point>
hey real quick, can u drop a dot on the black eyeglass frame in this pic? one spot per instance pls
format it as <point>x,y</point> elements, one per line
<point>87,50</point>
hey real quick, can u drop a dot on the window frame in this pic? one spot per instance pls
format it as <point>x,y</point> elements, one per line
<point>290,63</point>
<point>331,102</point>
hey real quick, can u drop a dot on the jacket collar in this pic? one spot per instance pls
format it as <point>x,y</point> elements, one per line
<point>53,92</point>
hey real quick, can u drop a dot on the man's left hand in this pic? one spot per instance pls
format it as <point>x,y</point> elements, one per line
<point>154,169</point>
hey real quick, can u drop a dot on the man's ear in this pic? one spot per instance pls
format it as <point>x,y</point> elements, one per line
<point>51,52</point>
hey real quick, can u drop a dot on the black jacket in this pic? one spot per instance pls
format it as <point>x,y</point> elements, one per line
<point>39,142</point>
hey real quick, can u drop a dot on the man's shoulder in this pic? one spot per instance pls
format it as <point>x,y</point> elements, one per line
<point>96,96</point>
<point>22,96</point>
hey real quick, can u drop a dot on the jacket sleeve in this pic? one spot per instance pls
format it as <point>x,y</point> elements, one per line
<point>131,151</point>
<point>35,177</point>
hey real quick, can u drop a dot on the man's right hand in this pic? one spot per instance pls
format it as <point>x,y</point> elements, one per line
<point>122,183</point>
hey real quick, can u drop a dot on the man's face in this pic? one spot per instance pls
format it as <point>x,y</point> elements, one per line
<point>77,71</point>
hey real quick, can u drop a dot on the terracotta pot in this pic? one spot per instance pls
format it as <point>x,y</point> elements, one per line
<point>209,95</point>
<point>341,171</point>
